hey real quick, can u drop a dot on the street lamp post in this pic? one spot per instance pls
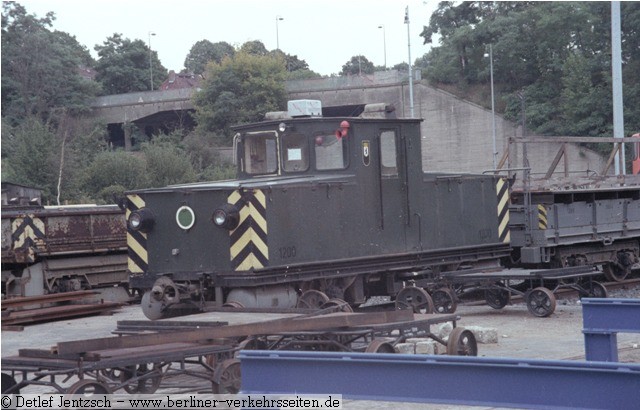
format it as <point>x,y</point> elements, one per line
<point>278,18</point>
<point>150,60</point>
<point>493,109</point>
<point>406,21</point>
<point>384,43</point>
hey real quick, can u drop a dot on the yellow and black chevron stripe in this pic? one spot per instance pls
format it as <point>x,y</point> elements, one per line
<point>502,189</point>
<point>542,217</point>
<point>26,233</point>
<point>249,248</point>
<point>138,261</point>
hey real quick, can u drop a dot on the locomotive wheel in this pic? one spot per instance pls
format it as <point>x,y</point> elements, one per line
<point>88,387</point>
<point>312,299</point>
<point>414,298</point>
<point>227,377</point>
<point>615,273</point>
<point>444,301</point>
<point>541,302</point>
<point>152,308</point>
<point>146,385</point>
<point>233,304</point>
<point>598,290</point>
<point>341,304</point>
<point>462,342</point>
<point>497,298</point>
<point>380,346</point>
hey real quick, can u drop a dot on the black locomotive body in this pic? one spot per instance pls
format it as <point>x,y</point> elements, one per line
<point>323,207</point>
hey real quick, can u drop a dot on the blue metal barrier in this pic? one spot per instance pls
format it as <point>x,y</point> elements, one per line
<point>602,320</point>
<point>444,379</point>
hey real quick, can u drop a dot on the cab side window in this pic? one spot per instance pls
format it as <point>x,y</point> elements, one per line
<point>330,152</point>
<point>388,156</point>
<point>260,154</point>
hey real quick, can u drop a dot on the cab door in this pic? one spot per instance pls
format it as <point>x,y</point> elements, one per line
<point>392,174</point>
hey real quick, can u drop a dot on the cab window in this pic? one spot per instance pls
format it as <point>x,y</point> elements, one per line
<point>260,156</point>
<point>295,153</point>
<point>330,152</point>
<point>388,155</point>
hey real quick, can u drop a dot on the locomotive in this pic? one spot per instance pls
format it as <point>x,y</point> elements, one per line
<point>332,207</point>
<point>325,209</point>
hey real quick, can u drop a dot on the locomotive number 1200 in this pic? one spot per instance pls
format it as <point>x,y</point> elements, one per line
<point>287,252</point>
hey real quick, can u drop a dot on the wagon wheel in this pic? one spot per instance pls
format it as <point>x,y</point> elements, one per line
<point>444,301</point>
<point>541,302</point>
<point>8,382</point>
<point>497,298</point>
<point>148,382</point>
<point>88,387</point>
<point>598,290</point>
<point>227,377</point>
<point>615,273</point>
<point>312,299</point>
<point>462,342</point>
<point>414,298</point>
<point>380,346</point>
<point>341,304</point>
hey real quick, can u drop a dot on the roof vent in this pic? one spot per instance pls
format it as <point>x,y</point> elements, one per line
<point>379,110</point>
<point>304,108</point>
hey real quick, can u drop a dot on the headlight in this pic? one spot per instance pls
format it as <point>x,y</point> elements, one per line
<point>141,220</point>
<point>227,216</point>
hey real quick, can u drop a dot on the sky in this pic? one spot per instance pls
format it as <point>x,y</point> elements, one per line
<point>324,33</point>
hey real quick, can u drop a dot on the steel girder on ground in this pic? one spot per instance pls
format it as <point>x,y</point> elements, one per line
<point>443,379</point>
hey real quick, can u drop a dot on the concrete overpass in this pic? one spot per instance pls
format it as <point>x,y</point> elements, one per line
<point>456,134</point>
<point>148,111</point>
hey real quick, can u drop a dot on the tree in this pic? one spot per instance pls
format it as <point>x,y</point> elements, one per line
<point>240,89</point>
<point>204,51</point>
<point>113,172</point>
<point>123,66</point>
<point>358,65</point>
<point>255,47</point>
<point>33,156</point>
<point>556,55</point>
<point>167,163</point>
<point>40,68</point>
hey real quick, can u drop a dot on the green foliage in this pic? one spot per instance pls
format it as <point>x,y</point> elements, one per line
<point>40,67</point>
<point>111,170</point>
<point>239,89</point>
<point>254,47</point>
<point>555,54</point>
<point>358,65</point>
<point>167,164</point>
<point>33,157</point>
<point>123,66</point>
<point>204,51</point>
